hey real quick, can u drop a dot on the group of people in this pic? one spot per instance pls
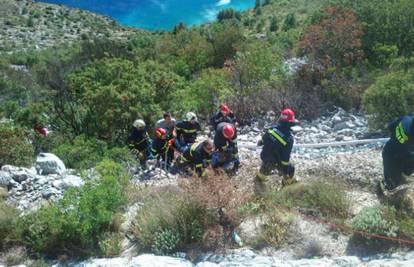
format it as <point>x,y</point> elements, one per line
<point>173,137</point>
<point>277,142</point>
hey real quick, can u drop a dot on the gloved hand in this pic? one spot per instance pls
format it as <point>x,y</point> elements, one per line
<point>260,142</point>
<point>141,155</point>
<point>170,142</point>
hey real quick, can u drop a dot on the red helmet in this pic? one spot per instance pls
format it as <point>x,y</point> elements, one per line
<point>225,109</point>
<point>160,132</point>
<point>228,131</point>
<point>287,115</point>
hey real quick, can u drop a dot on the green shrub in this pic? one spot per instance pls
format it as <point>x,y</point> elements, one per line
<point>166,241</point>
<point>15,145</point>
<point>8,219</point>
<point>168,221</point>
<point>110,244</point>
<point>378,220</point>
<point>406,226</point>
<point>391,96</point>
<point>83,153</point>
<point>77,221</point>
<point>326,199</point>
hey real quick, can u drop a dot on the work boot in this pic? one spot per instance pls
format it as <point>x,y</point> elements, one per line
<point>288,181</point>
<point>261,178</point>
<point>381,189</point>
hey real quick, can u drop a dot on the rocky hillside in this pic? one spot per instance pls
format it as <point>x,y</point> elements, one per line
<point>25,24</point>
<point>358,168</point>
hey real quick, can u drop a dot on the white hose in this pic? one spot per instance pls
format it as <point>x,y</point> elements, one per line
<point>343,143</point>
<point>333,144</point>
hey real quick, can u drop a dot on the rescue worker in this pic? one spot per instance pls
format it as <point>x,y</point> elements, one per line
<point>277,146</point>
<point>398,153</point>
<point>187,131</point>
<point>168,123</point>
<point>197,157</point>
<point>226,147</point>
<point>162,148</point>
<point>139,142</point>
<point>223,115</point>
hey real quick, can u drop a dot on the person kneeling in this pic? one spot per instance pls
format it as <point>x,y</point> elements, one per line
<point>197,157</point>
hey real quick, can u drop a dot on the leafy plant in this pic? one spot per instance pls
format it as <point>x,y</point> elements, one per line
<point>375,220</point>
<point>16,148</point>
<point>110,244</point>
<point>166,242</point>
<point>326,199</point>
<point>391,96</point>
<point>78,220</point>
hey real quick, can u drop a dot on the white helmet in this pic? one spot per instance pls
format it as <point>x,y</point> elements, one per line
<point>139,124</point>
<point>190,116</point>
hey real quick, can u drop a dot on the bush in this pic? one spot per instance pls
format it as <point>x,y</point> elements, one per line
<point>166,241</point>
<point>378,220</point>
<point>110,244</point>
<point>276,228</point>
<point>85,152</point>
<point>15,145</point>
<point>390,97</point>
<point>8,219</point>
<point>322,198</point>
<point>77,221</point>
<point>169,220</point>
<point>406,226</point>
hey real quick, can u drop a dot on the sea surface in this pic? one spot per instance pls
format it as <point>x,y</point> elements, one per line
<point>157,14</point>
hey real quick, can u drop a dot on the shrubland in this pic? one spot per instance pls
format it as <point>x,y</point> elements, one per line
<point>358,54</point>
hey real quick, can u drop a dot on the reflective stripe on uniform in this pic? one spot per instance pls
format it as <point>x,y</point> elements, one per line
<point>193,148</point>
<point>400,134</point>
<point>199,165</point>
<point>145,139</point>
<point>277,136</point>
<point>187,130</point>
<point>285,163</point>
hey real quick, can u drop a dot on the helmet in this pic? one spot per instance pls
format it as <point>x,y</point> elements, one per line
<point>139,124</point>
<point>287,115</point>
<point>228,131</point>
<point>190,116</point>
<point>160,132</point>
<point>225,109</point>
<point>208,146</point>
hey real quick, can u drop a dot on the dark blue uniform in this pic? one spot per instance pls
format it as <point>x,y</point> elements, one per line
<point>196,157</point>
<point>218,118</point>
<point>162,150</point>
<point>227,150</point>
<point>277,147</point>
<point>139,142</point>
<point>398,152</point>
<point>186,134</point>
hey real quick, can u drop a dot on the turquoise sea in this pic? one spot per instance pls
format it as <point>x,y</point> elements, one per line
<point>157,14</point>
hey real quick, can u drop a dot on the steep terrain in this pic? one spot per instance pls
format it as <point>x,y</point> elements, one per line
<point>28,25</point>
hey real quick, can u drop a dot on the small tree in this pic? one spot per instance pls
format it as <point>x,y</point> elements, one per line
<point>290,22</point>
<point>335,40</point>
<point>389,97</point>
<point>274,25</point>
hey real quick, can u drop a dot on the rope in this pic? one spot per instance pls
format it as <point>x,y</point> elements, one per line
<point>344,227</point>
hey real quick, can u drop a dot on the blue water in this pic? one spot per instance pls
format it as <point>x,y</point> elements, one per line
<point>157,14</point>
